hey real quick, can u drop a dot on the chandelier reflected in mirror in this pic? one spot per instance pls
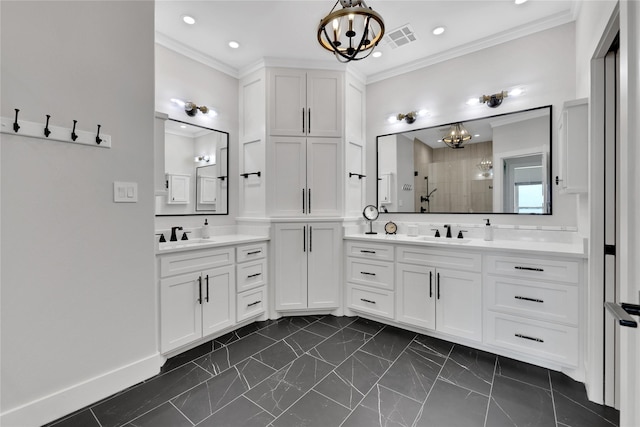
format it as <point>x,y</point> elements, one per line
<point>352,32</point>
<point>486,166</point>
<point>456,136</point>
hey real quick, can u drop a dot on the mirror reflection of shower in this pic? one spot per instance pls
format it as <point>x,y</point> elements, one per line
<point>426,199</point>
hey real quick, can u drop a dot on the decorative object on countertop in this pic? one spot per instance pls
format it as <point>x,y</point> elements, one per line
<point>488,230</point>
<point>206,232</point>
<point>370,213</point>
<point>390,227</point>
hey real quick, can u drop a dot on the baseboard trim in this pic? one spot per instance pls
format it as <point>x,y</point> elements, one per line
<point>80,395</point>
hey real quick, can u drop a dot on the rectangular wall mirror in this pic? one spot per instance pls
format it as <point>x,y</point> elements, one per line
<point>503,168</point>
<point>196,170</point>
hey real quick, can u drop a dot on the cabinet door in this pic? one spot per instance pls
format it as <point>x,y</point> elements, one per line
<point>416,295</point>
<point>573,136</point>
<point>355,188</point>
<point>459,303</point>
<point>324,179</point>
<point>290,266</point>
<point>325,98</point>
<point>178,189</point>
<point>180,311</point>
<point>288,114</point>
<point>288,190</point>
<point>324,262</point>
<point>218,299</point>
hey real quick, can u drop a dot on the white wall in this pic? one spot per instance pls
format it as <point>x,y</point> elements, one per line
<point>544,63</point>
<point>180,77</point>
<point>78,292</point>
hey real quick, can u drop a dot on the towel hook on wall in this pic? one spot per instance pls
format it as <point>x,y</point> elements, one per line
<point>47,132</point>
<point>74,135</point>
<point>98,139</point>
<point>16,126</point>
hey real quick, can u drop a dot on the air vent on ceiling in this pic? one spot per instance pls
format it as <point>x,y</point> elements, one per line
<point>400,36</point>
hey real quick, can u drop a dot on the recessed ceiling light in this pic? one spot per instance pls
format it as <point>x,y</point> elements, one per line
<point>188,19</point>
<point>520,1</point>
<point>234,44</point>
<point>438,30</point>
<point>183,127</point>
<point>377,54</point>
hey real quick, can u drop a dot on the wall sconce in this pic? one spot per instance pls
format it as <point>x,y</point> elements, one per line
<point>192,109</point>
<point>203,158</point>
<point>496,99</point>
<point>410,117</point>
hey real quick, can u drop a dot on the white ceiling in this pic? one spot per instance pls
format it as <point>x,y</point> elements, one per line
<point>287,30</point>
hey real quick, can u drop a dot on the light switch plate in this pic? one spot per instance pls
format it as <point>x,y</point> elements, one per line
<point>125,192</point>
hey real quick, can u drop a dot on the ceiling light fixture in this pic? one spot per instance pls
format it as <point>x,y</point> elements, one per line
<point>352,32</point>
<point>234,44</point>
<point>486,166</point>
<point>438,30</point>
<point>456,136</point>
<point>377,54</point>
<point>188,19</point>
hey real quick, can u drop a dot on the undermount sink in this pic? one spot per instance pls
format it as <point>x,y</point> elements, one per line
<point>443,239</point>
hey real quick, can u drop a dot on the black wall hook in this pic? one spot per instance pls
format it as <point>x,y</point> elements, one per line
<point>74,136</point>
<point>47,132</point>
<point>16,126</point>
<point>98,140</point>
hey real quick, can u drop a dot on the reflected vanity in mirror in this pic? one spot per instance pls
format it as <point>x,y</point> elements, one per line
<point>196,170</point>
<point>503,168</point>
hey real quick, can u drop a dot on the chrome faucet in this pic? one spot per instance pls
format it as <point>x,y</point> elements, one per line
<point>448,227</point>
<point>174,238</point>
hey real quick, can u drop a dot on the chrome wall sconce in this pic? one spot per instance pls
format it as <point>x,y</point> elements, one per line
<point>192,109</point>
<point>352,32</point>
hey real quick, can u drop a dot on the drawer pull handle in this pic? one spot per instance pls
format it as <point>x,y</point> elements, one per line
<point>253,275</point>
<point>254,303</point>
<point>253,253</point>
<point>367,252</point>
<point>529,299</point>
<point>368,274</point>
<point>367,300</point>
<point>529,338</point>
<point>517,267</point>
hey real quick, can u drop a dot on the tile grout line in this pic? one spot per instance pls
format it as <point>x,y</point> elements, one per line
<point>493,381</point>
<point>553,399</point>
<point>96,418</point>
<point>181,413</point>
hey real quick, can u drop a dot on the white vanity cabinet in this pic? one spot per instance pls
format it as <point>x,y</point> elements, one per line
<point>532,306</point>
<point>439,290</point>
<point>197,295</point>
<point>307,265</point>
<point>573,135</point>
<point>251,274</point>
<point>305,102</point>
<point>306,178</point>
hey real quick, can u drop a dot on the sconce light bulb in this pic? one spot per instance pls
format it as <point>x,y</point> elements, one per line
<point>392,119</point>
<point>336,24</point>
<point>423,112</point>
<point>178,102</point>
<point>212,113</point>
<point>516,92</point>
<point>473,101</point>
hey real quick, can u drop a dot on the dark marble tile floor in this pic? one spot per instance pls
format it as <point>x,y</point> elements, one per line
<point>344,371</point>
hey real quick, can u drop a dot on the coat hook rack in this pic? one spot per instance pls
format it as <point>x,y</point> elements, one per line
<point>16,126</point>
<point>74,135</point>
<point>246,175</point>
<point>47,132</point>
<point>360,176</point>
<point>98,140</point>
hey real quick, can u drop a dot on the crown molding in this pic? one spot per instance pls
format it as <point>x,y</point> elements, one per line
<point>490,41</point>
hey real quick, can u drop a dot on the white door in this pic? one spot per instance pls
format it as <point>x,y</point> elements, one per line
<point>218,299</point>
<point>290,266</point>
<point>324,181</point>
<point>459,303</point>
<point>287,111</point>
<point>324,103</point>
<point>416,295</point>
<point>288,189</point>
<point>324,264</point>
<point>180,311</point>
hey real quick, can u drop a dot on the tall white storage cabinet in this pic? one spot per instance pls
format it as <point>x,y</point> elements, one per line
<point>307,265</point>
<point>355,152</point>
<point>573,131</point>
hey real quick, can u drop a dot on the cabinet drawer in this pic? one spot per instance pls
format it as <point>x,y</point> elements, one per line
<point>557,343</point>
<point>533,268</point>
<point>370,251</point>
<point>370,272</point>
<point>369,300</point>
<point>185,262</point>
<point>251,252</point>
<point>437,257</point>
<point>251,274</point>
<point>545,301</point>
<point>251,303</point>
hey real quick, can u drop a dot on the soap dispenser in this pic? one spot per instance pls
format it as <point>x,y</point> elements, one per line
<point>488,230</point>
<point>205,230</point>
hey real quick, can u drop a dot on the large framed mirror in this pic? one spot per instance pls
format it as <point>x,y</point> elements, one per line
<point>504,167</point>
<point>196,170</point>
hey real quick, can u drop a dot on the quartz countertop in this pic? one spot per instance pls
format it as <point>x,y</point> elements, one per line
<point>531,247</point>
<point>213,242</point>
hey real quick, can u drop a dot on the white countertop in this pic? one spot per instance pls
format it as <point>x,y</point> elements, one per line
<point>571,250</point>
<point>213,242</point>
